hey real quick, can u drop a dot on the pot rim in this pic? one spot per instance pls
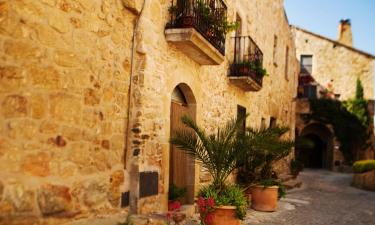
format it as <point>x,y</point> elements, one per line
<point>225,207</point>
<point>262,186</point>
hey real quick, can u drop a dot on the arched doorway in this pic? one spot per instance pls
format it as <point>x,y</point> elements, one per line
<point>318,152</point>
<point>181,165</point>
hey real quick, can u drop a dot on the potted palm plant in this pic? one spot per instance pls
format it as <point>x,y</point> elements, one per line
<point>265,146</point>
<point>219,153</point>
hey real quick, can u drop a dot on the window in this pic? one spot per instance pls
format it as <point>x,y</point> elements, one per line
<point>275,50</point>
<point>272,122</point>
<point>241,113</point>
<point>286,62</point>
<point>309,91</point>
<point>306,65</point>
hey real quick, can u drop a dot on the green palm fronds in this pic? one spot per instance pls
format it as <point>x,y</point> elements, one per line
<point>218,152</point>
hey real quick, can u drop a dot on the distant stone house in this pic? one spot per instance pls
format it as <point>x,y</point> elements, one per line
<point>91,91</point>
<point>329,69</point>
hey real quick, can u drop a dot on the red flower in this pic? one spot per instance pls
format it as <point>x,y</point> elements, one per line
<point>174,205</point>
<point>209,218</point>
<point>210,202</point>
<point>201,201</point>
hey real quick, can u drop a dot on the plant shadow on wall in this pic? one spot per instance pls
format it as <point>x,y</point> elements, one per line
<point>349,119</point>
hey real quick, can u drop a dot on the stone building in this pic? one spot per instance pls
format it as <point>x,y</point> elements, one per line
<point>91,89</point>
<point>329,69</point>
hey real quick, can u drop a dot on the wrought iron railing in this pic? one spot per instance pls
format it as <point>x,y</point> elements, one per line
<point>248,59</point>
<point>206,16</point>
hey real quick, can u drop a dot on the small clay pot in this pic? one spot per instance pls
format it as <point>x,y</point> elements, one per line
<point>264,198</point>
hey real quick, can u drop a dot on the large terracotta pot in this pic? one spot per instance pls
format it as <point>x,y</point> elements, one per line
<point>264,199</point>
<point>225,215</point>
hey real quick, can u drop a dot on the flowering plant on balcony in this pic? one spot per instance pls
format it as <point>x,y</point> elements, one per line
<point>247,68</point>
<point>208,17</point>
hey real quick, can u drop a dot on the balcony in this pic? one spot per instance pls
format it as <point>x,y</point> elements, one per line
<point>315,91</point>
<point>197,28</point>
<point>246,71</point>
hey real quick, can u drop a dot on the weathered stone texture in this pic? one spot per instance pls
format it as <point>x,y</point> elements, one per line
<point>216,99</point>
<point>63,103</point>
<point>336,64</point>
<point>14,106</point>
<point>64,82</point>
<point>37,164</point>
<point>335,67</point>
<point>54,199</point>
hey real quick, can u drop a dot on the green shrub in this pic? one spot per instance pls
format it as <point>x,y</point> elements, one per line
<point>363,166</point>
<point>230,195</point>
<point>346,118</point>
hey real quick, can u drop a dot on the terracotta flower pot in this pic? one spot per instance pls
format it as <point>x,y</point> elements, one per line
<point>264,199</point>
<point>224,215</point>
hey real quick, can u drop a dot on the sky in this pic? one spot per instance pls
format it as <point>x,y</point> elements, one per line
<point>323,16</point>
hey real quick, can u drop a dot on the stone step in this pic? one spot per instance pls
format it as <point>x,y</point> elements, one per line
<point>188,210</point>
<point>292,184</point>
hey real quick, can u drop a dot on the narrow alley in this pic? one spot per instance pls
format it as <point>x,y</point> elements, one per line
<point>325,198</point>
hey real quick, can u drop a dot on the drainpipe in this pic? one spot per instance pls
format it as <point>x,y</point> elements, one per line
<point>132,166</point>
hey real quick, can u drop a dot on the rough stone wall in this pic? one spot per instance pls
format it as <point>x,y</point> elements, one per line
<point>64,75</point>
<point>64,82</point>
<point>339,65</point>
<point>163,67</point>
<point>332,61</point>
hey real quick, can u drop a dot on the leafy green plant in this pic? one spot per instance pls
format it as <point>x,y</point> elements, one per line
<point>219,153</point>
<point>358,105</point>
<point>176,193</point>
<point>264,147</point>
<point>347,118</point>
<point>219,25</point>
<point>363,166</point>
<point>268,145</point>
<point>253,66</point>
<point>230,195</point>
<point>344,124</point>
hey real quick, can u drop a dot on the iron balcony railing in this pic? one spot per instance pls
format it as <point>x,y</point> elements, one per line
<point>248,59</point>
<point>206,16</point>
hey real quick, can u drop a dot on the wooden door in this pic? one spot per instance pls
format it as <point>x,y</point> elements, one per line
<point>182,168</point>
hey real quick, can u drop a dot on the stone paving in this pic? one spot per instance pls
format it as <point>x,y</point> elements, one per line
<point>325,198</point>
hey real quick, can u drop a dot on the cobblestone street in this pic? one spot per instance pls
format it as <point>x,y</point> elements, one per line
<point>325,198</point>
